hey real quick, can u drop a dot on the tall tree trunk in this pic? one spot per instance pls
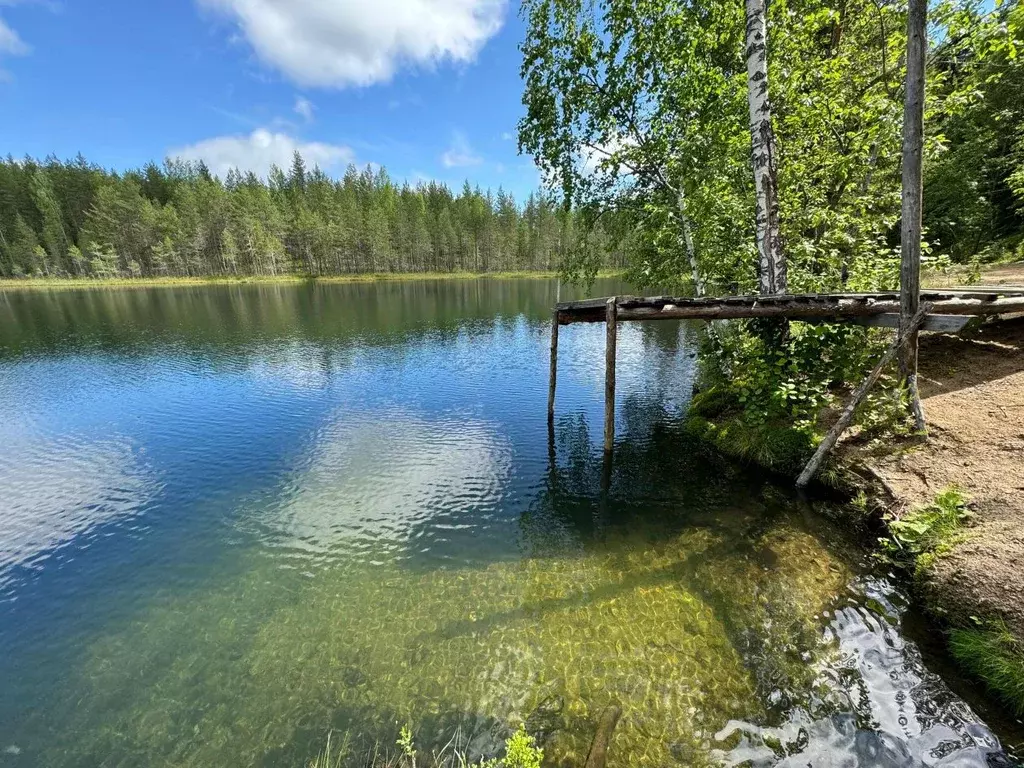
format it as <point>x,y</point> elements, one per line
<point>771,260</point>
<point>691,253</point>
<point>913,142</point>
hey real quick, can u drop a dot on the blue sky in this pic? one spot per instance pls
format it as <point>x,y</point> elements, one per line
<point>427,88</point>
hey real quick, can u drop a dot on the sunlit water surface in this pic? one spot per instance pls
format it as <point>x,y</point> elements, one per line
<point>236,519</point>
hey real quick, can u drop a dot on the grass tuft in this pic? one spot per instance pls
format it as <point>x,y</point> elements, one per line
<point>776,447</point>
<point>994,656</point>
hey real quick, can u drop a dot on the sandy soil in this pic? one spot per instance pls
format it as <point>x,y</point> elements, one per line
<point>972,389</point>
<point>1004,274</point>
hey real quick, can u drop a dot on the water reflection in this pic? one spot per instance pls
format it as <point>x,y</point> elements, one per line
<point>389,484</point>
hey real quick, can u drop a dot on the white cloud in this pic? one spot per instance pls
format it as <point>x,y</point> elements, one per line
<point>304,108</point>
<point>360,42</point>
<point>460,154</point>
<point>507,136</point>
<point>603,156</point>
<point>10,43</point>
<point>260,150</point>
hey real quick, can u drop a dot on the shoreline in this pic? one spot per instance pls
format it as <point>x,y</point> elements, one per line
<point>75,283</point>
<point>972,390</point>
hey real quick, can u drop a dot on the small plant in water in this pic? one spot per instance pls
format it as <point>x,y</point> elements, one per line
<point>406,745</point>
<point>521,751</point>
<point>331,757</point>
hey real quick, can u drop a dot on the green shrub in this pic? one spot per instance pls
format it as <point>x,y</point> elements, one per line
<point>521,751</point>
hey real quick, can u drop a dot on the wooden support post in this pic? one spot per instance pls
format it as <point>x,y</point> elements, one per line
<point>846,418</point>
<point>554,367</point>
<point>611,327</point>
<point>913,194</point>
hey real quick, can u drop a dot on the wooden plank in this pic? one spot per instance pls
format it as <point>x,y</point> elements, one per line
<point>825,305</point>
<point>846,418</point>
<point>611,329</point>
<point>844,308</point>
<point>940,323</point>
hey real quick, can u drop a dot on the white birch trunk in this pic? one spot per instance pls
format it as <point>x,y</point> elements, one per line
<point>691,253</point>
<point>771,260</point>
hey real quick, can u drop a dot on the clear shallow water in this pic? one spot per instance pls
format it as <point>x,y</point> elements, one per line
<point>236,518</point>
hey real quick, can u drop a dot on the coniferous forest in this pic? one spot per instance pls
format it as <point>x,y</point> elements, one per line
<point>646,159</point>
<point>75,219</point>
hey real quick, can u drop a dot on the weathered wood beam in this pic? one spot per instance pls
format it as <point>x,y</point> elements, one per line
<point>597,305</point>
<point>611,329</point>
<point>941,323</point>
<point>554,367</point>
<point>842,308</point>
<point>913,196</point>
<point>796,310</point>
<point>846,418</point>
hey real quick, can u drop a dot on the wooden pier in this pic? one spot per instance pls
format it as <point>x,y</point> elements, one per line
<point>948,310</point>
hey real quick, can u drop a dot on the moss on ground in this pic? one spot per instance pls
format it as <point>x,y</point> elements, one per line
<point>715,417</point>
<point>917,538</point>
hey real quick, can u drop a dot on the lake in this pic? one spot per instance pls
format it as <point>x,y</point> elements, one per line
<point>237,519</point>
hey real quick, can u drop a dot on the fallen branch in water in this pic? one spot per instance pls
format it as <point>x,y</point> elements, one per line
<point>599,747</point>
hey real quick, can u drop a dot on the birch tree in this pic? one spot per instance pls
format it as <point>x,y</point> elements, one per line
<point>771,258</point>
<point>629,107</point>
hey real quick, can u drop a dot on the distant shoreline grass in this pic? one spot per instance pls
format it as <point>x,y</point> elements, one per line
<point>69,283</point>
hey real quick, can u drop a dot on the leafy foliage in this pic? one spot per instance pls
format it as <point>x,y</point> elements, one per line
<point>920,536</point>
<point>974,177</point>
<point>636,113</point>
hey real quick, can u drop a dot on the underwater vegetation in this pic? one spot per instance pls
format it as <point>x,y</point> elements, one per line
<point>688,633</point>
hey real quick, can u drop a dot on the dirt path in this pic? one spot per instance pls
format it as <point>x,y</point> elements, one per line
<point>972,388</point>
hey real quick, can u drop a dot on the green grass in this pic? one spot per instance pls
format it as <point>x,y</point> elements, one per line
<point>715,417</point>
<point>57,283</point>
<point>924,534</point>
<point>994,656</point>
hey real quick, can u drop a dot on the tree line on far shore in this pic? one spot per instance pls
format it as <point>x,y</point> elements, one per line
<point>75,219</point>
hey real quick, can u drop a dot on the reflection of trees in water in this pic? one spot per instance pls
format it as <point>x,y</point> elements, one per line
<point>853,687</point>
<point>231,317</point>
<point>663,485</point>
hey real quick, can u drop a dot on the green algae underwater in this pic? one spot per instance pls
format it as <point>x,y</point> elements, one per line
<point>250,517</point>
<point>650,623</point>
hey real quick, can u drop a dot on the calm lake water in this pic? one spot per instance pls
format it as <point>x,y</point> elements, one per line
<point>234,519</point>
